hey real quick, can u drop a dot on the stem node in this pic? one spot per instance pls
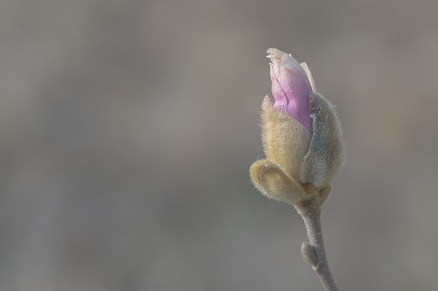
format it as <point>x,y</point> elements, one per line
<point>313,251</point>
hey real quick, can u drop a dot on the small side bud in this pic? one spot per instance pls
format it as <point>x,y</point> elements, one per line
<point>326,153</point>
<point>273,183</point>
<point>309,254</point>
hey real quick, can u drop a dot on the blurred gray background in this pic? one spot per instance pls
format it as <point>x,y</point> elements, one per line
<point>127,129</point>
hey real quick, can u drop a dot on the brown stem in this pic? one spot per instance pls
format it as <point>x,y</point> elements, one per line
<point>312,220</point>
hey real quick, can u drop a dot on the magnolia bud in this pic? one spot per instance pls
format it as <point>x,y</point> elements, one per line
<point>301,134</point>
<point>291,86</point>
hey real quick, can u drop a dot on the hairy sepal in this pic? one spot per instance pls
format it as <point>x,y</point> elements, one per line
<point>285,140</point>
<point>274,183</point>
<point>326,153</point>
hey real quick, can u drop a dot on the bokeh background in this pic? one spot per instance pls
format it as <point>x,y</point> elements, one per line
<point>127,129</point>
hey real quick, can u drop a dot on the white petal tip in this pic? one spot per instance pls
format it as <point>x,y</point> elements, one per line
<point>272,50</point>
<point>309,75</point>
<point>275,55</point>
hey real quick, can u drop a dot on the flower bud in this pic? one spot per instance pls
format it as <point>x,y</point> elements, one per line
<point>291,86</point>
<point>301,134</point>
